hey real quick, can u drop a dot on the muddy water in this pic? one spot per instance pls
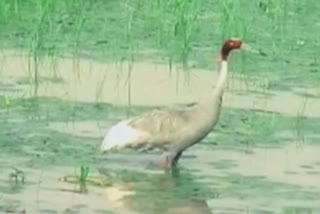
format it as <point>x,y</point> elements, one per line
<point>278,180</point>
<point>210,179</point>
<point>151,84</point>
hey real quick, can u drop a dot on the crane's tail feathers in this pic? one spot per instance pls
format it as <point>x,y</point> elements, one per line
<point>121,135</point>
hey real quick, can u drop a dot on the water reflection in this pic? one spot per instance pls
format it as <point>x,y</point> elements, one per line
<point>171,193</point>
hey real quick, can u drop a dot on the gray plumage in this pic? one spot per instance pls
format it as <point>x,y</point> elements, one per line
<point>176,128</point>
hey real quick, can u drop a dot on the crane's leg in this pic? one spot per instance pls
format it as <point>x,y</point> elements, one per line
<point>169,159</point>
<point>176,159</point>
<point>164,162</point>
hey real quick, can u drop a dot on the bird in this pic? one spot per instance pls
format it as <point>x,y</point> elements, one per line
<point>175,128</point>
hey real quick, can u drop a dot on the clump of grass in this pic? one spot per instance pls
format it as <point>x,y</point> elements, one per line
<point>233,24</point>
<point>80,179</point>
<point>162,21</point>
<point>176,23</point>
<point>84,173</point>
<point>80,20</point>
<point>130,10</point>
<point>37,43</point>
<point>185,25</point>
<point>17,177</point>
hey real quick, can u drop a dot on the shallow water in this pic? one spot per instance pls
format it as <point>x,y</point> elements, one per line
<point>278,180</point>
<point>268,163</point>
<point>89,81</point>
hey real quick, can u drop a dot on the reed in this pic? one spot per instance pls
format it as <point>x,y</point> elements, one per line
<point>130,10</point>
<point>83,177</point>
<point>185,24</point>
<point>37,43</point>
<point>300,136</point>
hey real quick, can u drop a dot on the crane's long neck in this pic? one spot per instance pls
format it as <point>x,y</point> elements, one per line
<point>222,79</point>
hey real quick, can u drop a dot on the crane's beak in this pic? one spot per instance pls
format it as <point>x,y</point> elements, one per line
<point>247,47</point>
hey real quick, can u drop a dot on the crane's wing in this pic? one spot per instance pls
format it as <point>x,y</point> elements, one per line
<point>163,121</point>
<point>157,128</point>
<point>184,105</point>
<point>163,126</point>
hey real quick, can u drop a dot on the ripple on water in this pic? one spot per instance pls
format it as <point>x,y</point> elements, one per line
<point>282,177</point>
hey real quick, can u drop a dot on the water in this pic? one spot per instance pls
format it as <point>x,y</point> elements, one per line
<point>255,161</point>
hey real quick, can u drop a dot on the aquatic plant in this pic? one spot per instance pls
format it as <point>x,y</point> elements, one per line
<point>83,177</point>
<point>300,122</point>
<point>185,25</point>
<point>17,176</point>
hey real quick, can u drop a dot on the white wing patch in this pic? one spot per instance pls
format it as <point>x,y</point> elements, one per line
<point>122,135</point>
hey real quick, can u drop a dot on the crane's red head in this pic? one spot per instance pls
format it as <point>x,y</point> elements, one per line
<point>228,46</point>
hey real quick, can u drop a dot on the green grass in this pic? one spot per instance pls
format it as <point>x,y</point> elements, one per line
<point>82,178</point>
<point>239,128</point>
<point>175,30</point>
